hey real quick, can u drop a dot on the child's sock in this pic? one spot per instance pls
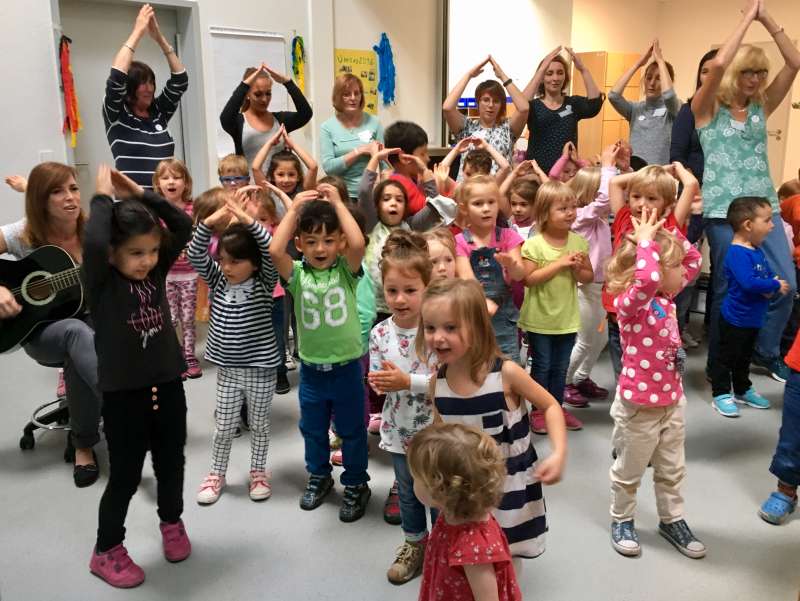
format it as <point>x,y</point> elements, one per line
<point>787,489</point>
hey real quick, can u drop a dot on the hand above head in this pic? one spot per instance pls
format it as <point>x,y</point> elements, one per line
<point>609,156</point>
<point>383,153</point>
<point>252,77</point>
<point>278,77</point>
<point>498,70</point>
<point>18,183</point>
<point>549,58</point>
<point>102,182</point>
<point>478,69</point>
<point>576,60</point>
<point>222,216</point>
<point>124,186</point>
<point>153,28</point>
<point>645,58</point>
<point>142,23</point>
<point>414,159</point>
<point>329,193</point>
<point>305,196</point>
<point>243,204</point>
<point>441,174</point>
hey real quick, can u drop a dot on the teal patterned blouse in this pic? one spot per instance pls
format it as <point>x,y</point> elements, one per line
<point>736,161</point>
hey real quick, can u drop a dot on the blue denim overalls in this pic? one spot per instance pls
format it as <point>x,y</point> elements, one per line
<point>490,275</point>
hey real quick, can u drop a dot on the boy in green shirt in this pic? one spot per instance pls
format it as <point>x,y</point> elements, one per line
<point>329,340</point>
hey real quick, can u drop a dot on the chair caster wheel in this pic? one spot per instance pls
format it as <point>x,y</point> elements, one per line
<point>27,442</point>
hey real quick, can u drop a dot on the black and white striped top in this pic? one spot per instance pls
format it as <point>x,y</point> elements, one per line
<point>139,144</point>
<point>521,513</point>
<point>240,330</point>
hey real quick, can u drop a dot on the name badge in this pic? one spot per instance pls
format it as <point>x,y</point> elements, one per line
<point>660,112</point>
<point>566,112</point>
<point>365,136</point>
<point>642,117</point>
<point>738,125</point>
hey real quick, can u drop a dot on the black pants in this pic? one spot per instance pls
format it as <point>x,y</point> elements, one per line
<point>151,418</point>
<point>736,347</point>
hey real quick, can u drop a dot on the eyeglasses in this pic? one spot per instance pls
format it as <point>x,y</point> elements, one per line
<point>760,74</point>
<point>234,179</point>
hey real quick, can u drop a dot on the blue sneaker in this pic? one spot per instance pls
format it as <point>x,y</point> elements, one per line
<point>624,538</point>
<point>753,399</point>
<point>775,367</point>
<point>777,508</point>
<point>724,405</point>
<point>679,534</point>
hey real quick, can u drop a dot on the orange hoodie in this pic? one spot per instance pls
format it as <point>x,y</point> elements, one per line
<point>790,211</point>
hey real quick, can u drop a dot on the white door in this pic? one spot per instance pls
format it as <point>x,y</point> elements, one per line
<point>97,31</point>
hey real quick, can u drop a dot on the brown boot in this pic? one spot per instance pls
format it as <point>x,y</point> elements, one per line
<point>407,563</point>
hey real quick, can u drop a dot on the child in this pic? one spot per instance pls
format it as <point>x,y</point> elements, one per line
<point>241,341</point>
<point>233,171</point>
<point>396,371</point>
<point>173,181</point>
<point>491,253</point>
<point>786,461</point>
<point>478,387</point>
<point>653,188</point>
<point>410,165</point>
<point>557,259</point>
<point>521,196</point>
<point>205,205</point>
<point>442,252</point>
<point>647,270</point>
<point>324,284</point>
<point>126,259</point>
<point>461,471</point>
<point>751,283</point>
<point>590,185</point>
<point>285,168</point>
<point>567,166</point>
<point>478,157</point>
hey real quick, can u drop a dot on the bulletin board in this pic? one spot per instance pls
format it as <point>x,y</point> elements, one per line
<point>364,65</point>
<point>233,51</point>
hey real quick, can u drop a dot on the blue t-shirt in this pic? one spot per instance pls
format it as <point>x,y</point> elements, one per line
<point>749,279</point>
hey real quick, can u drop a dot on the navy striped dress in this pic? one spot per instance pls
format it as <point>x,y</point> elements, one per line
<point>521,513</point>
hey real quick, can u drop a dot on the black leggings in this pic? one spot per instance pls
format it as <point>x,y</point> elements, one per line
<point>151,418</point>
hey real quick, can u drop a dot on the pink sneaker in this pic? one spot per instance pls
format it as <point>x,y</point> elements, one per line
<point>260,489</point>
<point>336,457</point>
<point>176,544</point>
<point>574,398</point>
<point>375,422</point>
<point>61,387</point>
<point>194,372</point>
<point>538,425</point>
<point>591,390</point>
<point>573,423</point>
<point>116,567</point>
<point>210,489</point>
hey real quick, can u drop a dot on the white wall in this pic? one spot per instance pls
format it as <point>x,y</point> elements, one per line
<point>614,26</point>
<point>31,99</point>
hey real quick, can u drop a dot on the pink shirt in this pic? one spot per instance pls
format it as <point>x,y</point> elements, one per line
<point>649,331</point>
<point>509,239</point>
<point>181,267</point>
<point>592,224</point>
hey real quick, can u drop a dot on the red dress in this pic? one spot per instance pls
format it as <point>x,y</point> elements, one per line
<point>473,543</point>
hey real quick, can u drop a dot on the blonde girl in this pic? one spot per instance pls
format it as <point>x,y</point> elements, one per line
<point>475,385</point>
<point>396,371</point>
<point>173,181</point>
<point>590,185</point>
<point>557,259</point>
<point>442,252</point>
<point>650,267</point>
<point>461,471</point>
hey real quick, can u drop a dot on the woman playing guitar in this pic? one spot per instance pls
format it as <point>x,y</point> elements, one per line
<point>53,216</point>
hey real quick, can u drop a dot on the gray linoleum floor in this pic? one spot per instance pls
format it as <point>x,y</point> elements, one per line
<point>273,550</point>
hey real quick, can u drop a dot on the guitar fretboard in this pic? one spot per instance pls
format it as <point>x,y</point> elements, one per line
<point>65,279</point>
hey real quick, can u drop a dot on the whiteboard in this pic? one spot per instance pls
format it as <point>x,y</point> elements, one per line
<point>233,51</point>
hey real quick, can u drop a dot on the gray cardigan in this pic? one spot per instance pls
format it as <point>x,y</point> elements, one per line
<point>651,124</point>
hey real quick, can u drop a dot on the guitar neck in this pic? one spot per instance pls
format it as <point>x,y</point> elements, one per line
<point>65,279</point>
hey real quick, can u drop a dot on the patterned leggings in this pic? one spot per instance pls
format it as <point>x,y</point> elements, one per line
<point>236,385</point>
<point>182,299</point>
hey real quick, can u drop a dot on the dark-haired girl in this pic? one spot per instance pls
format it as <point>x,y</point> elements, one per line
<point>241,339</point>
<point>136,121</point>
<point>126,256</point>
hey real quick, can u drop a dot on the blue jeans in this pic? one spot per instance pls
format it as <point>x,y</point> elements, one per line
<point>412,512</point>
<point>614,347</point>
<point>338,390</point>
<point>779,256</point>
<point>277,327</point>
<point>786,461</point>
<point>551,354</point>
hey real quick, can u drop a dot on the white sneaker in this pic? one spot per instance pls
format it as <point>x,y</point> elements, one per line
<point>290,363</point>
<point>259,486</point>
<point>210,489</point>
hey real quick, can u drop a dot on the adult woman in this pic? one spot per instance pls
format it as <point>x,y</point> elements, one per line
<point>491,124</point>
<point>247,118</point>
<point>348,138</point>
<point>136,124</point>
<point>651,119</point>
<point>53,216</point>
<point>553,116</point>
<point>731,110</point>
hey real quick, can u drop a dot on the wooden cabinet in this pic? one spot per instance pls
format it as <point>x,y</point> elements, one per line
<point>608,126</point>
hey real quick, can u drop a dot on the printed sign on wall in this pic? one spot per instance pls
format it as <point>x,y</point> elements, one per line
<point>364,65</point>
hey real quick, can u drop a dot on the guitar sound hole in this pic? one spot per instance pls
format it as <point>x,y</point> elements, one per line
<point>39,288</point>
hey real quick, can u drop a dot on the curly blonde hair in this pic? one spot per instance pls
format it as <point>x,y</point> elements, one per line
<point>654,178</point>
<point>747,57</point>
<point>585,184</point>
<point>621,268</point>
<point>463,469</point>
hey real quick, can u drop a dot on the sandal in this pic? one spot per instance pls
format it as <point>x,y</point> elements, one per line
<point>777,508</point>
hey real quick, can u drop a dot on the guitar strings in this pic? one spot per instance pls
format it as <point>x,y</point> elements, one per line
<point>67,276</point>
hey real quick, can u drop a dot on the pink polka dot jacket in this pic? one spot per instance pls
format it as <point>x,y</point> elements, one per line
<point>649,331</point>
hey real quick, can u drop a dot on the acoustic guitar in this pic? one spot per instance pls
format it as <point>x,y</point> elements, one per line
<point>47,284</point>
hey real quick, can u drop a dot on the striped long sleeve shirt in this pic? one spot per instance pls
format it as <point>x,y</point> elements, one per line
<point>240,330</point>
<point>138,144</point>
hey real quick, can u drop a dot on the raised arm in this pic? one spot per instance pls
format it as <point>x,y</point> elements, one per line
<point>257,168</point>
<point>455,120</point>
<point>616,191</point>
<point>198,254</point>
<point>592,91</point>
<point>285,232</point>
<point>538,77</point>
<point>354,253</point>
<point>782,83</point>
<point>124,57</point>
<point>175,64</point>
<point>291,119</point>
<point>691,188</point>
<point>231,118</point>
<point>625,78</point>
<point>310,179</point>
<point>97,233</point>
<point>704,102</point>
<point>520,117</point>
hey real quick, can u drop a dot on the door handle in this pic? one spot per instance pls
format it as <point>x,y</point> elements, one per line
<point>776,133</point>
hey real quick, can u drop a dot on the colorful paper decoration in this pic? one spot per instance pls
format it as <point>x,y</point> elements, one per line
<point>386,69</point>
<point>299,62</point>
<point>72,117</point>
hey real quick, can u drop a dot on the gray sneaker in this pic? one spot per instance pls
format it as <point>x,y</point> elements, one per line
<point>624,538</point>
<point>679,534</point>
